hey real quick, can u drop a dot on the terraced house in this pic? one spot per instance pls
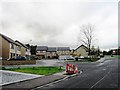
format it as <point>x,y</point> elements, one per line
<point>63,51</point>
<point>41,51</point>
<point>25,51</point>
<point>9,48</point>
<point>52,52</point>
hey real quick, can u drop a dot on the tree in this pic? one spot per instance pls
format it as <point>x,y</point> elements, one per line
<point>98,51</point>
<point>33,49</point>
<point>28,45</point>
<point>105,52</point>
<point>87,36</point>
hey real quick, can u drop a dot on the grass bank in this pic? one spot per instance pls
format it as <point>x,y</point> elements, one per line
<point>37,70</point>
<point>117,56</point>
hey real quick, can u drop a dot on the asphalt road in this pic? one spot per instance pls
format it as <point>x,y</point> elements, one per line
<point>94,75</point>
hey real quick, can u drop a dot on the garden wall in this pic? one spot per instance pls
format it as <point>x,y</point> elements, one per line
<point>18,62</point>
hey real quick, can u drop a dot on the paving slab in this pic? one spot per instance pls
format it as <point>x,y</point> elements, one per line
<point>8,77</point>
<point>32,83</point>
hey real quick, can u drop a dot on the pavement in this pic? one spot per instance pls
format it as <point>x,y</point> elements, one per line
<point>32,83</point>
<point>8,77</point>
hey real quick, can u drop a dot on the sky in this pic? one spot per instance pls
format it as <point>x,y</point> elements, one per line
<point>58,22</point>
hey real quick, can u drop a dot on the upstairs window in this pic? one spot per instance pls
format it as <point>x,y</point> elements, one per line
<point>12,46</point>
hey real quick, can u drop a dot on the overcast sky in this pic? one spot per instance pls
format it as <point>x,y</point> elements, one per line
<point>57,23</point>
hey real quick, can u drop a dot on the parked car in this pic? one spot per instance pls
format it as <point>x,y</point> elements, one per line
<point>81,56</point>
<point>66,57</point>
<point>18,58</point>
<point>70,58</point>
<point>101,55</point>
<point>0,58</point>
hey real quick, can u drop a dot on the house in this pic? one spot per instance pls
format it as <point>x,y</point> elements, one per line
<point>63,51</point>
<point>41,51</point>
<point>81,51</point>
<point>9,48</point>
<point>52,52</point>
<point>72,52</point>
<point>25,51</point>
<point>115,51</point>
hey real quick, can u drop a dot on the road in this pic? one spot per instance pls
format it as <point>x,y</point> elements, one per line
<point>94,75</point>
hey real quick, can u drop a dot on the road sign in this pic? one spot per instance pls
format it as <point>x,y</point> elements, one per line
<point>71,69</point>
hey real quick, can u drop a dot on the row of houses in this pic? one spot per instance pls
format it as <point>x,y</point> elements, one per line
<point>51,52</point>
<point>10,48</point>
<point>55,52</point>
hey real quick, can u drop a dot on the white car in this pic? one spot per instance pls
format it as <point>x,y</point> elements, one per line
<point>81,57</point>
<point>0,58</point>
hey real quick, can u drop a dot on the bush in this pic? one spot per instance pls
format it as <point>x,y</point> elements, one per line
<point>3,68</point>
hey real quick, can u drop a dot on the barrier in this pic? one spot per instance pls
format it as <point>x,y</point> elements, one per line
<point>71,69</point>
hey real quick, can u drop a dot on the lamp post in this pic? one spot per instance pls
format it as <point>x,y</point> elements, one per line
<point>30,49</point>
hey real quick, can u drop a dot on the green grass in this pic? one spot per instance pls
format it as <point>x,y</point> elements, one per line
<point>37,70</point>
<point>118,56</point>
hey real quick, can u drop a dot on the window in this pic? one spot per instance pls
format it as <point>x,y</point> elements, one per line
<point>12,46</point>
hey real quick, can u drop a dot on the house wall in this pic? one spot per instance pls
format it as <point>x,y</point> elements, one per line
<point>13,51</point>
<point>51,54</point>
<point>63,53</point>
<point>23,51</point>
<point>17,50</point>
<point>41,54</point>
<point>27,52</point>
<point>81,52</point>
<point>5,48</point>
<point>0,46</point>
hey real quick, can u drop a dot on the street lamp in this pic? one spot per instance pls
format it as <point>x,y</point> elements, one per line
<point>30,49</point>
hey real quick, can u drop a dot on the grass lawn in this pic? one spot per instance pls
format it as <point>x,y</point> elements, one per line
<point>118,56</point>
<point>37,70</point>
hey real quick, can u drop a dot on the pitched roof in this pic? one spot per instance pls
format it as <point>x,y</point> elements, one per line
<point>82,46</point>
<point>42,48</point>
<point>52,49</point>
<point>63,48</point>
<point>21,44</point>
<point>8,39</point>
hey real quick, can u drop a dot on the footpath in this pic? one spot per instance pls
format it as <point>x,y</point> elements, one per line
<point>32,83</point>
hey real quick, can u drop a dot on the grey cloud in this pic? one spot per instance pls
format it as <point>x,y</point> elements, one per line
<point>49,20</point>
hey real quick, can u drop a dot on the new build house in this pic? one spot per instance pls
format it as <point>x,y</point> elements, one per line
<point>81,51</point>
<point>25,51</point>
<point>52,52</point>
<point>41,51</point>
<point>63,51</point>
<point>9,48</point>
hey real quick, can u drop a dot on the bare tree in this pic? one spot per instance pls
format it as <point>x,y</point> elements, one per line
<point>87,36</point>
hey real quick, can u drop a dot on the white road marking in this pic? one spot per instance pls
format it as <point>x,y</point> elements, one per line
<point>99,81</point>
<point>50,84</point>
